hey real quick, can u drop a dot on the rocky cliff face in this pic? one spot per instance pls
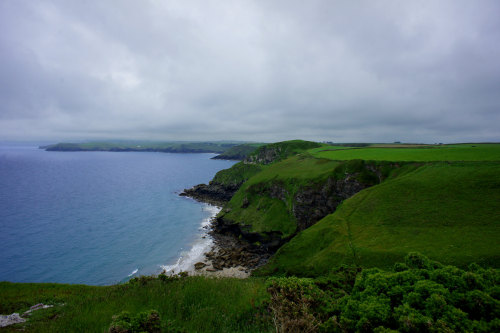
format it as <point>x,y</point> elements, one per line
<point>309,205</point>
<point>278,151</point>
<point>214,193</point>
<point>312,203</point>
<point>265,155</point>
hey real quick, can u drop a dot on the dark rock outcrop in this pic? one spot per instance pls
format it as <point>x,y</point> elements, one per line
<point>274,152</point>
<point>236,250</point>
<point>213,193</point>
<point>265,155</point>
<point>268,242</point>
<point>312,203</point>
<point>199,265</point>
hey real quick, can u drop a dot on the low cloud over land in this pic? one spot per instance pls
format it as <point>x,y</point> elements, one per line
<point>380,71</point>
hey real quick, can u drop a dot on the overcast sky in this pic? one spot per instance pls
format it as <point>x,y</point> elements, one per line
<point>343,71</point>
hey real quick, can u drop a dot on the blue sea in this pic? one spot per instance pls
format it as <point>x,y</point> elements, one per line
<point>99,217</point>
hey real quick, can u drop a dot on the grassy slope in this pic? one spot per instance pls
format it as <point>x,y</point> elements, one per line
<point>270,214</point>
<point>449,212</point>
<point>282,150</point>
<point>236,174</point>
<point>463,152</point>
<point>194,304</point>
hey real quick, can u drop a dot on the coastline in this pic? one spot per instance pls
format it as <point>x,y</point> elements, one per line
<point>201,258</point>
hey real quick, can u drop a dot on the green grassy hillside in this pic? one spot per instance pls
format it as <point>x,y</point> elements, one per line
<point>237,174</point>
<point>242,171</point>
<point>273,198</point>
<point>447,211</point>
<point>462,152</point>
<point>278,151</point>
<point>265,213</point>
<point>193,304</point>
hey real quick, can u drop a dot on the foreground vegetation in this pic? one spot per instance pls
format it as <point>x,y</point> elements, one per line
<point>193,304</point>
<point>418,295</point>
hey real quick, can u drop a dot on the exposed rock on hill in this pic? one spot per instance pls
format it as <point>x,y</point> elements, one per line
<point>313,203</point>
<point>278,151</point>
<point>213,193</point>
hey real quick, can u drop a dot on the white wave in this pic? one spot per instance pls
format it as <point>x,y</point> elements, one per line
<point>197,252</point>
<point>135,271</point>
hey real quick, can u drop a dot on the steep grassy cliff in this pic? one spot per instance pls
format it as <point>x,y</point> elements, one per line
<point>449,212</point>
<point>226,182</point>
<point>370,212</point>
<point>291,195</point>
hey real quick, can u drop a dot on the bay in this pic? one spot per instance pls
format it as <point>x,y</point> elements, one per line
<point>97,217</point>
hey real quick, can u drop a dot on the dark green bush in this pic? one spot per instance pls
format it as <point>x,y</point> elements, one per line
<point>142,280</point>
<point>420,295</point>
<point>292,303</point>
<point>148,321</point>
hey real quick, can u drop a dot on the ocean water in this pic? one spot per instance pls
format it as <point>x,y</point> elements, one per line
<point>99,217</point>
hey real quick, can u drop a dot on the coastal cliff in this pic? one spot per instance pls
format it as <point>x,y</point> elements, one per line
<point>271,208</point>
<point>263,207</point>
<point>214,193</point>
<point>224,184</point>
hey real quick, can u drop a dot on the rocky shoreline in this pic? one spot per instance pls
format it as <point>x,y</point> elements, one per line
<point>231,255</point>
<point>213,193</point>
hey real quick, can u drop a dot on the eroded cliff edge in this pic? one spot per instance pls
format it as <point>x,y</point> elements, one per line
<point>278,191</point>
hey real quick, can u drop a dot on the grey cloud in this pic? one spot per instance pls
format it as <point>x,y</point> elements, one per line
<point>422,71</point>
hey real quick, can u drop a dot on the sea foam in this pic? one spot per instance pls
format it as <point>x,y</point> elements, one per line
<point>135,271</point>
<point>196,253</point>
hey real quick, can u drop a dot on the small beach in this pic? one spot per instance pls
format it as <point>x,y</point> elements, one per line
<point>197,254</point>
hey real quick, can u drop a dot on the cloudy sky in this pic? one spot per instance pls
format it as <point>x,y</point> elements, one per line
<point>343,71</point>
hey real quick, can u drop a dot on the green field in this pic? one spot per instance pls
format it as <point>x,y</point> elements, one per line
<point>193,304</point>
<point>462,152</point>
<point>449,212</point>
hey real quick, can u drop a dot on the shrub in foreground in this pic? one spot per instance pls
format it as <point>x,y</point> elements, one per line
<point>147,321</point>
<point>420,295</point>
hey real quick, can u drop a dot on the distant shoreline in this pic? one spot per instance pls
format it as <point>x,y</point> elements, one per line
<point>225,150</point>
